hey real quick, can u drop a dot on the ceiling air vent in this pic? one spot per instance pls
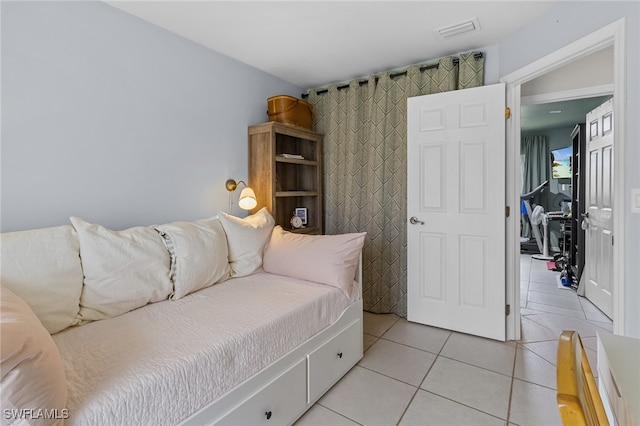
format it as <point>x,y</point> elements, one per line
<point>463,27</point>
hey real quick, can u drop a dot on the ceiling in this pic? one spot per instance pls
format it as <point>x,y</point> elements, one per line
<point>316,43</point>
<point>557,114</point>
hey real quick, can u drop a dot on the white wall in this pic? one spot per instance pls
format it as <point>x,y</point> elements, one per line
<point>567,22</point>
<point>593,70</point>
<point>110,118</point>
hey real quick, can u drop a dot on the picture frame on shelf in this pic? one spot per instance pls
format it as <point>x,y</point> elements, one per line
<point>301,212</point>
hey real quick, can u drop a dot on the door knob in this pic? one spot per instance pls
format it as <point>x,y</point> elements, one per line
<point>414,221</point>
<point>584,224</point>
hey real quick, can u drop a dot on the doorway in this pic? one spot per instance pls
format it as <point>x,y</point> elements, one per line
<point>609,36</point>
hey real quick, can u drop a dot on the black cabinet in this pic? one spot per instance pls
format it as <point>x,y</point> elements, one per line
<point>576,254</point>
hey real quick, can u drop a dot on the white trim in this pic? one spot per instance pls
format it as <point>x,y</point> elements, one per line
<point>568,95</point>
<point>587,45</point>
<point>512,194</point>
<point>612,35</point>
<point>619,173</point>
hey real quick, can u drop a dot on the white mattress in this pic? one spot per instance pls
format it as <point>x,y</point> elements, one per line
<point>159,364</point>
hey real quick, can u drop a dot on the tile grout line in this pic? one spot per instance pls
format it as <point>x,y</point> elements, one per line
<point>411,347</point>
<point>524,348</point>
<point>423,378</point>
<point>535,316</point>
<point>513,373</point>
<point>339,414</point>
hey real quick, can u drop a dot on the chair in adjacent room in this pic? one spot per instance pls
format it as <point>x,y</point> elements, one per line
<point>578,398</point>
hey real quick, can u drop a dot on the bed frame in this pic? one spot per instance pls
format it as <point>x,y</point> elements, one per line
<point>287,388</point>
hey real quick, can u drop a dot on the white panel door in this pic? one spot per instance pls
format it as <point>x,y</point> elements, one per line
<point>599,208</point>
<point>456,208</point>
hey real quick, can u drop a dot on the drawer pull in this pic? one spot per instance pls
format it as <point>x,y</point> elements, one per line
<point>268,414</point>
<point>339,354</point>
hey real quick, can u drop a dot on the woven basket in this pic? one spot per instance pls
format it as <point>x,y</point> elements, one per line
<point>290,110</point>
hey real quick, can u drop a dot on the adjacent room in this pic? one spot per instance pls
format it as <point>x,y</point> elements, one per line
<point>340,212</point>
<point>555,166</point>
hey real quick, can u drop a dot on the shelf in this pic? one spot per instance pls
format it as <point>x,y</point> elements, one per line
<point>305,230</point>
<point>296,161</point>
<point>296,194</point>
<point>283,184</point>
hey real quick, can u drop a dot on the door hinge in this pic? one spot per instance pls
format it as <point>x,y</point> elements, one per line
<point>507,113</point>
<point>507,310</point>
<point>612,240</point>
<point>507,211</point>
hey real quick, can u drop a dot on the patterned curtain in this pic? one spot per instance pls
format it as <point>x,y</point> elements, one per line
<point>365,166</point>
<point>534,169</point>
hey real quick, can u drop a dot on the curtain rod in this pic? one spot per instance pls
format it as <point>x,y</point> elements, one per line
<point>398,74</point>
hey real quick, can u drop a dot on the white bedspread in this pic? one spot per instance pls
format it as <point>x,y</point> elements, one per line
<point>159,364</point>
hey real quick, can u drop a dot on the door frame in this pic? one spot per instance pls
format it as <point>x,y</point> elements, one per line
<point>612,35</point>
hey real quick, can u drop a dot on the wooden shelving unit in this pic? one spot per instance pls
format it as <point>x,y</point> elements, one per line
<point>283,184</point>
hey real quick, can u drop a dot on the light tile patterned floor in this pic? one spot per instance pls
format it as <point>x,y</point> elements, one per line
<point>413,374</point>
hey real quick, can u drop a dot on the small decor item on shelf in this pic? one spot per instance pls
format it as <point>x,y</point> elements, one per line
<point>301,212</point>
<point>289,110</point>
<point>296,222</point>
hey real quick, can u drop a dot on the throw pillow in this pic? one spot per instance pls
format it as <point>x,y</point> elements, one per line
<point>42,266</point>
<point>123,270</point>
<point>199,254</point>
<point>246,238</point>
<point>33,376</point>
<point>325,259</point>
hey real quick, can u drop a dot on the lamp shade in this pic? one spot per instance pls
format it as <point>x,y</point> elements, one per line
<point>247,199</point>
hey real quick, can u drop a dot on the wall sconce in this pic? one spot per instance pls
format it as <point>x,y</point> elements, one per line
<point>247,200</point>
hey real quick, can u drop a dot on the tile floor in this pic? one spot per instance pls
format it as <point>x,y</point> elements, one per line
<point>413,374</point>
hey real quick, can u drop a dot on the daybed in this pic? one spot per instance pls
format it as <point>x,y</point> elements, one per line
<point>220,321</point>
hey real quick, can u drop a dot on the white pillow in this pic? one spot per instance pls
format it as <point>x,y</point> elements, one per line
<point>246,238</point>
<point>42,266</point>
<point>32,373</point>
<point>123,270</point>
<point>325,259</point>
<point>199,254</point>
